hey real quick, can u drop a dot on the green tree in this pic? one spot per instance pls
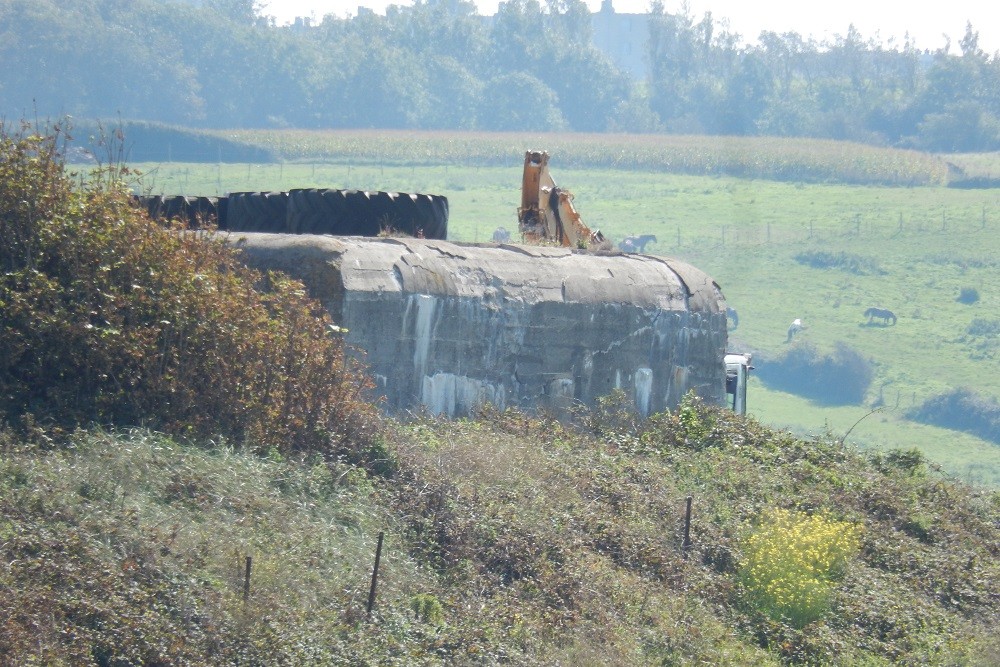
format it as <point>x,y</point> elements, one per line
<point>246,12</point>
<point>519,101</point>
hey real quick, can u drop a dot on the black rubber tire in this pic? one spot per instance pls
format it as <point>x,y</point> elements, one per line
<point>196,212</point>
<point>360,219</point>
<point>152,204</point>
<point>222,211</point>
<point>432,216</point>
<point>257,212</point>
<point>361,213</point>
<point>339,212</point>
<point>309,211</point>
<point>205,211</point>
<point>315,211</point>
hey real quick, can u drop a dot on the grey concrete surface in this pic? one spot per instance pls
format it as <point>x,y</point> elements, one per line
<point>446,326</point>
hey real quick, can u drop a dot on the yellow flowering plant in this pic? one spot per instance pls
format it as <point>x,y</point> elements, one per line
<point>792,561</point>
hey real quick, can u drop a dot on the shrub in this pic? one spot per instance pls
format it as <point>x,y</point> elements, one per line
<point>968,295</point>
<point>983,327</point>
<point>791,562</point>
<point>109,318</point>
<point>840,378</point>
<point>962,410</point>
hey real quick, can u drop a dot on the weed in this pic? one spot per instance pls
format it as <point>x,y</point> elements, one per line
<point>792,561</point>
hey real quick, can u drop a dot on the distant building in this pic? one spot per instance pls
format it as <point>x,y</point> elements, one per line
<point>622,37</point>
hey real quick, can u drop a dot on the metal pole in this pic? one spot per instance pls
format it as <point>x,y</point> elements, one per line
<point>378,557</point>
<point>687,525</point>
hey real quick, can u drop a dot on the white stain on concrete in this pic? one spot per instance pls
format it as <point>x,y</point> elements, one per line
<point>643,389</point>
<point>449,394</point>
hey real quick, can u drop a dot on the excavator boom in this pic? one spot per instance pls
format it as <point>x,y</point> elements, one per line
<point>546,213</point>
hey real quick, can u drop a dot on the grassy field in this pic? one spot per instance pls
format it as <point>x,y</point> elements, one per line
<point>920,246</point>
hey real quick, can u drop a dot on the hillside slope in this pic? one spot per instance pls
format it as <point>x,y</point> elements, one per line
<point>508,540</point>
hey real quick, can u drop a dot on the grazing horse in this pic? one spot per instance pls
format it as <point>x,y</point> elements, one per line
<point>883,314</point>
<point>636,243</point>
<point>795,327</point>
<point>731,314</point>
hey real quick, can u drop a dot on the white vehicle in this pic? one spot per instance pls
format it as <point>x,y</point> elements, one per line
<point>738,367</point>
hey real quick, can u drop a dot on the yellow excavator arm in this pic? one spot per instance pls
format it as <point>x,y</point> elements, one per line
<point>546,213</point>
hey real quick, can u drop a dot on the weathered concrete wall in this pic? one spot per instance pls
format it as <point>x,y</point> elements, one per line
<point>448,326</point>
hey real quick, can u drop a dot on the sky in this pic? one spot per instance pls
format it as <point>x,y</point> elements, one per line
<point>926,21</point>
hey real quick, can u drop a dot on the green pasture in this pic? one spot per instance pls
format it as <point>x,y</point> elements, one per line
<point>965,456</point>
<point>921,245</point>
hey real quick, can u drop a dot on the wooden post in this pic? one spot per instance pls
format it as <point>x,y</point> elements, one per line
<point>687,527</point>
<point>378,557</point>
<point>246,579</point>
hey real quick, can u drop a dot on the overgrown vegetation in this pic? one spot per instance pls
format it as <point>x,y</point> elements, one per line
<point>509,540</point>
<point>968,295</point>
<point>109,319</point>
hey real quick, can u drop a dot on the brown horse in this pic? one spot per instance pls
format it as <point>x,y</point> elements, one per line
<point>880,313</point>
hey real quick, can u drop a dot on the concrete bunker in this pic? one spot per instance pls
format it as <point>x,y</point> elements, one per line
<point>447,326</point>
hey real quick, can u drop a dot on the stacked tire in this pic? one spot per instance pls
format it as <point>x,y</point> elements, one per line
<point>195,212</point>
<point>312,211</point>
<point>257,212</point>
<point>361,213</point>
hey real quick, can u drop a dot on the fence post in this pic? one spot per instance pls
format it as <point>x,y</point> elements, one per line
<point>378,557</point>
<point>687,527</point>
<point>246,579</point>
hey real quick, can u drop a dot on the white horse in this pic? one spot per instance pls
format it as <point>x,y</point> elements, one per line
<point>795,327</point>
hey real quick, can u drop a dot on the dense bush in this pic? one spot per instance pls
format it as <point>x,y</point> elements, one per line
<point>983,327</point>
<point>968,295</point>
<point>840,378</point>
<point>108,318</point>
<point>962,410</point>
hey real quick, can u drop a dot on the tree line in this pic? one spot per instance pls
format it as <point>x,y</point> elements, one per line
<point>439,65</point>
